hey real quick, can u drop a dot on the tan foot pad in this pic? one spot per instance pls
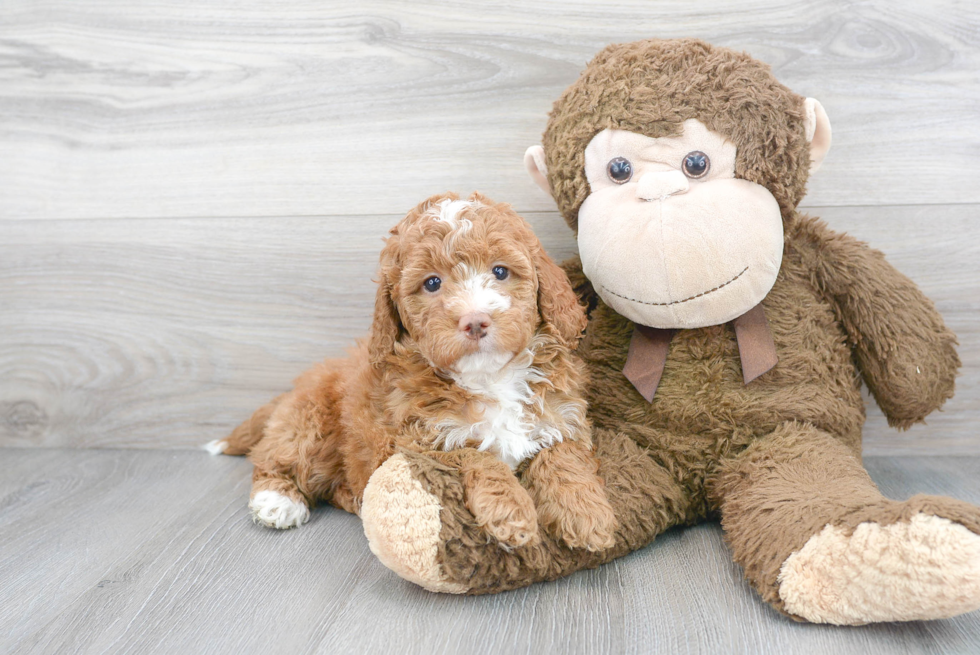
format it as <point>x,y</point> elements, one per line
<point>927,568</point>
<point>402,524</point>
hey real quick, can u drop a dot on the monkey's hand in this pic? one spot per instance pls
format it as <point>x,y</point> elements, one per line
<point>905,352</point>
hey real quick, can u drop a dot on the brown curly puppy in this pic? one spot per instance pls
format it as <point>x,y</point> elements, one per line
<point>470,356</point>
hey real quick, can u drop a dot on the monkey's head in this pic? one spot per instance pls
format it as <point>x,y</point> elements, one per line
<point>676,163</point>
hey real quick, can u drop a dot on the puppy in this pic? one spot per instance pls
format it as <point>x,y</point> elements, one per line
<point>469,359</point>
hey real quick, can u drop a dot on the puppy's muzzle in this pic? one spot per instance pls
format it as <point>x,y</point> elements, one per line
<point>475,326</point>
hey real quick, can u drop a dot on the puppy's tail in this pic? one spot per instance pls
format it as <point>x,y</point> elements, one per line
<point>243,438</point>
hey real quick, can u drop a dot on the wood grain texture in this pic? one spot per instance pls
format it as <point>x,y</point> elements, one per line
<point>236,165</point>
<point>167,333</point>
<point>159,333</point>
<point>177,109</point>
<point>154,552</point>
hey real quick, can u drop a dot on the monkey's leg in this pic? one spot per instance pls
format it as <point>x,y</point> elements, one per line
<point>570,496</point>
<point>418,525</point>
<point>819,542</point>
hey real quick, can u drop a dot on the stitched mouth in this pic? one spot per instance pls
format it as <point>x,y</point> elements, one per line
<point>676,302</point>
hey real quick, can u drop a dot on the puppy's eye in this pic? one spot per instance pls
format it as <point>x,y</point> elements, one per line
<point>500,272</point>
<point>432,284</point>
<point>696,164</point>
<point>620,170</point>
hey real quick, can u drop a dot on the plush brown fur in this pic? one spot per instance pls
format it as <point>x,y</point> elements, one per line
<point>785,487</point>
<point>324,439</point>
<point>652,87</point>
<point>777,459</point>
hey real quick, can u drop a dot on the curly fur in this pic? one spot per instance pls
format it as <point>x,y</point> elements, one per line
<point>420,384</point>
<point>652,87</point>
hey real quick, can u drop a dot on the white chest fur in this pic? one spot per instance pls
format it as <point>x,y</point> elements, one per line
<point>509,427</point>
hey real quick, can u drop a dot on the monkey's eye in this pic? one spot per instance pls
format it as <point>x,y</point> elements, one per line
<point>432,284</point>
<point>696,164</point>
<point>500,272</point>
<point>620,170</point>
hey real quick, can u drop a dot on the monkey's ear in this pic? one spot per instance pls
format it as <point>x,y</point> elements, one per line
<point>557,301</point>
<point>817,132</point>
<point>537,168</point>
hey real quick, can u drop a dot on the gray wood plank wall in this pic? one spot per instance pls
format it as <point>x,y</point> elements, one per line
<point>193,194</point>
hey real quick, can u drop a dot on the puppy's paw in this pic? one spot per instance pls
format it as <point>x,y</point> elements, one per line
<point>273,510</point>
<point>581,520</point>
<point>589,524</point>
<point>507,514</point>
<point>514,532</point>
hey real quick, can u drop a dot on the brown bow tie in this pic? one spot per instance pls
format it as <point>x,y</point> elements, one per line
<point>648,351</point>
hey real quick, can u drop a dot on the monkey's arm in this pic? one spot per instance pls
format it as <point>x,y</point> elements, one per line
<point>905,352</point>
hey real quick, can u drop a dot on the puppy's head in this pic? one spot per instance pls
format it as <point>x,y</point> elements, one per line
<point>469,278</point>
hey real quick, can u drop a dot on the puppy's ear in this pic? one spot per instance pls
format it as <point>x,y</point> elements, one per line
<point>387,324</point>
<point>557,302</point>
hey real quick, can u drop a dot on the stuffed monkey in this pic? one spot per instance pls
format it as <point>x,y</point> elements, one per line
<point>728,338</point>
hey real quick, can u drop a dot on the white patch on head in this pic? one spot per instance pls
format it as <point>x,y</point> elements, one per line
<point>447,211</point>
<point>506,430</point>
<point>216,447</point>
<point>273,510</point>
<point>479,293</point>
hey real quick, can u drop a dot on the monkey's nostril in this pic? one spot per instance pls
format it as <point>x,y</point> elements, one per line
<point>661,185</point>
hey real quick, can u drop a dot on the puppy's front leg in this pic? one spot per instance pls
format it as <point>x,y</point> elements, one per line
<point>498,502</point>
<point>564,483</point>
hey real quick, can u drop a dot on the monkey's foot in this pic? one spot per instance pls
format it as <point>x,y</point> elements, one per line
<point>402,524</point>
<point>924,568</point>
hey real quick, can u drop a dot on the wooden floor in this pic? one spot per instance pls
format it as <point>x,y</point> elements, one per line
<point>126,551</point>
<point>192,200</point>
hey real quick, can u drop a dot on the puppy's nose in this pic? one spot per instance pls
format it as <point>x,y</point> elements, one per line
<point>475,325</point>
<point>660,185</point>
